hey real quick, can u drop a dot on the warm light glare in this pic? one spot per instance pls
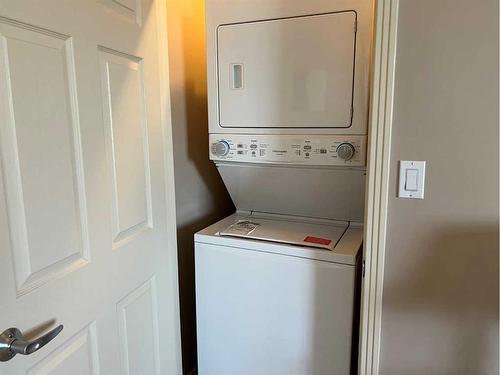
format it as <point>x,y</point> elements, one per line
<point>186,28</point>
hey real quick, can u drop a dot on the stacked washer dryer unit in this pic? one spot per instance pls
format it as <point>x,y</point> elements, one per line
<point>288,104</point>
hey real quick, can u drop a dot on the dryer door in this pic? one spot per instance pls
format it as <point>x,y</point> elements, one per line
<point>287,73</point>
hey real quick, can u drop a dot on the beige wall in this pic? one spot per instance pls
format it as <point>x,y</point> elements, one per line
<point>440,305</point>
<point>201,198</point>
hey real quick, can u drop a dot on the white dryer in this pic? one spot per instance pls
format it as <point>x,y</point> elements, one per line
<point>276,295</point>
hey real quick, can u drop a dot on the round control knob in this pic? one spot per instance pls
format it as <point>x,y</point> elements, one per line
<point>346,151</point>
<point>220,148</point>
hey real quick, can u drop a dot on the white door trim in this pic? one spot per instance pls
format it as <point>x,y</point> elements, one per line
<point>175,356</point>
<point>379,147</point>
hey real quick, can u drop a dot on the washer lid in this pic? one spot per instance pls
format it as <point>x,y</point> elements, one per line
<point>346,251</point>
<point>323,236</point>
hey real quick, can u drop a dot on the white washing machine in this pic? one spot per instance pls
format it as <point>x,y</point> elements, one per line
<point>287,105</point>
<point>276,295</point>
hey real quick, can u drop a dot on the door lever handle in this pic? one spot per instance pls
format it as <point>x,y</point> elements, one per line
<point>12,342</point>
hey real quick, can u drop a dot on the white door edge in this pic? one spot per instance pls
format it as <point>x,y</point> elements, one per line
<point>377,193</point>
<point>175,356</point>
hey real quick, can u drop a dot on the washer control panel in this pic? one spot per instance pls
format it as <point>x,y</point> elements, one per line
<point>297,149</point>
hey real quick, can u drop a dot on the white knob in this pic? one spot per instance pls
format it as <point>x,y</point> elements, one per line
<point>346,151</point>
<point>220,148</point>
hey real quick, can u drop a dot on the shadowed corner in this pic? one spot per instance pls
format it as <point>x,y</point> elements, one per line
<point>197,181</point>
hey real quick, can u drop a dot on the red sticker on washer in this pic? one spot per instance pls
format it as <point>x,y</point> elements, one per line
<point>319,241</point>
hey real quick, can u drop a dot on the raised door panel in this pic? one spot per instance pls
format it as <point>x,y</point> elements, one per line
<point>76,356</point>
<point>129,9</point>
<point>127,143</point>
<point>41,154</point>
<point>138,330</point>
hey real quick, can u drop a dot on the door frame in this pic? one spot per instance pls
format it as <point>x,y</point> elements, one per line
<point>377,190</point>
<point>174,345</point>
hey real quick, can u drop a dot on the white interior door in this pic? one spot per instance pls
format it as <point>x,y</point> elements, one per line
<point>87,236</point>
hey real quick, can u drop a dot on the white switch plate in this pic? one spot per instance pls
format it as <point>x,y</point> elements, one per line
<point>411,179</point>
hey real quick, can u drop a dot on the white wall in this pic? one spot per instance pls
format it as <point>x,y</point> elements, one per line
<point>440,305</point>
<point>201,198</point>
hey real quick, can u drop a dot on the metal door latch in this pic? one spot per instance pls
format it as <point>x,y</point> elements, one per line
<point>12,342</point>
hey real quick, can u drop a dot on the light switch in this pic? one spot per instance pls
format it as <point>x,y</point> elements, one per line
<point>411,183</point>
<point>411,179</point>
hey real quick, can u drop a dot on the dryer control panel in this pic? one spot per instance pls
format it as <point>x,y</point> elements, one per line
<point>341,150</point>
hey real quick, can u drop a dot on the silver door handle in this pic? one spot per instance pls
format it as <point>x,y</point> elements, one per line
<point>12,342</point>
